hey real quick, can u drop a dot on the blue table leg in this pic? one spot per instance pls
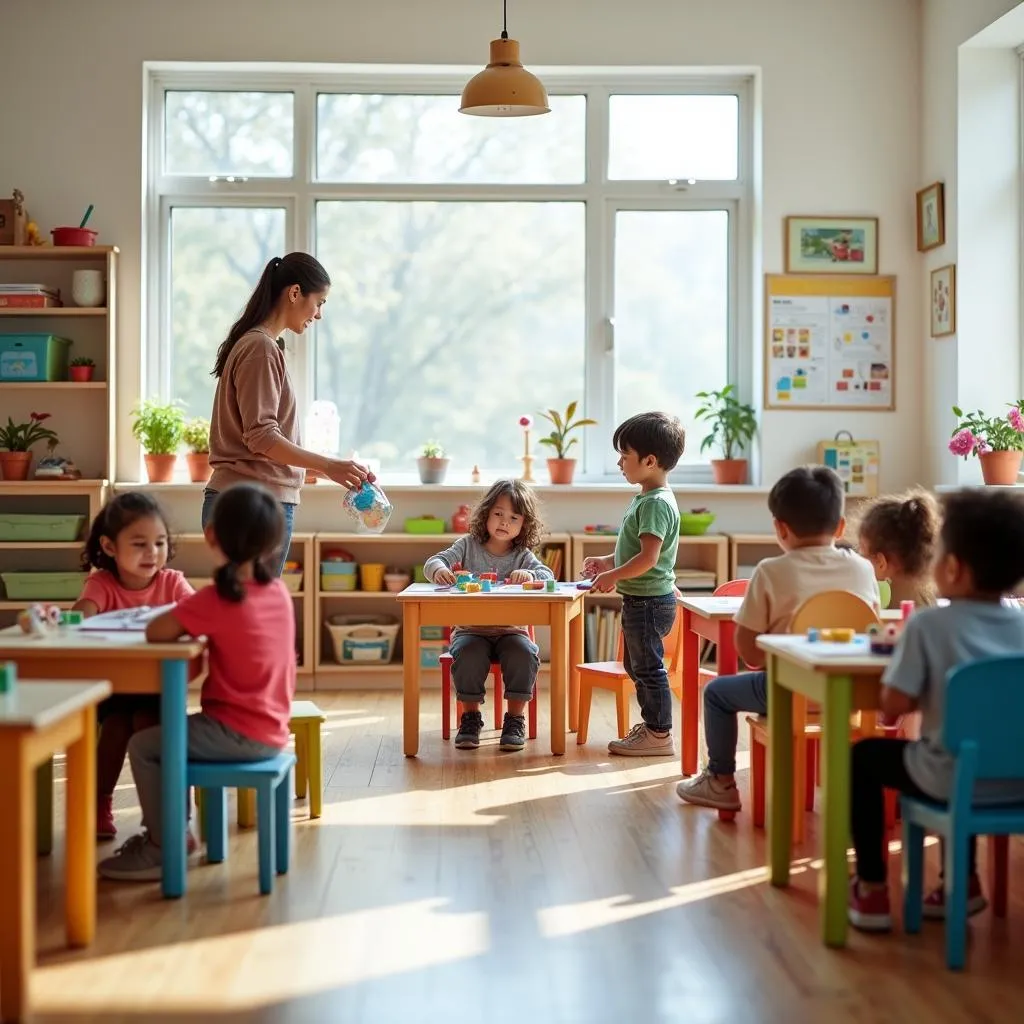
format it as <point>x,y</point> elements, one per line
<point>173,710</point>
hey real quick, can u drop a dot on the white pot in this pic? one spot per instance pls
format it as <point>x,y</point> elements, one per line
<point>88,288</point>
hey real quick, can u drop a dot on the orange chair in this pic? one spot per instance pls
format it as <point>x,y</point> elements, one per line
<point>499,689</point>
<point>611,675</point>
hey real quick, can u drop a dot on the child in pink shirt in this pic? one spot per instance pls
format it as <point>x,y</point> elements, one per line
<point>247,619</point>
<point>128,548</point>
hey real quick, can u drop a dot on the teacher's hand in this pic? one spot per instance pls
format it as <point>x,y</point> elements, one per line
<point>348,474</point>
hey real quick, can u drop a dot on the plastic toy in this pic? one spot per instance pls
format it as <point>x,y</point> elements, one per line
<point>533,585</point>
<point>831,636</point>
<point>906,610</point>
<point>8,676</point>
<point>584,584</point>
<point>883,639</point>
<point>39,619</point>
<point>369,507</point>
<point>474,588</point>
<point>550,586</point>
<point>485,586</point>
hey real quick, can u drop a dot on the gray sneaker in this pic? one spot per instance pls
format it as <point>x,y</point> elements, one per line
<point>513,733</point>
<point>468,736</point>
<point>138,860</point>
<point>708,790</point>
<point>641,742</point>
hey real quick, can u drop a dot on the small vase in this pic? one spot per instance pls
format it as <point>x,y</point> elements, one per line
<point>729,471</point>
<point>460,521</point>
<point>81,374</point>
<point>199,468</point>
<point>561,471</point>
<point>88,288</point>
<point>15,465</point>
<point>160,468</point>
<point>1000,469</point>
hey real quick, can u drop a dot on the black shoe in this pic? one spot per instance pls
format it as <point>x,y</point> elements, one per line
<point>468,736</point>
<point>513,733</point>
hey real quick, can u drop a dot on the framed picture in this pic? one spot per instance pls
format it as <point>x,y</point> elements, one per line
<point>931,217</point>
<point>943,300</point>
<point>831,245</point>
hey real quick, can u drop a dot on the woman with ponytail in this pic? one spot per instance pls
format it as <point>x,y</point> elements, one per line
<point>254,427</point>
<point>247,618</point>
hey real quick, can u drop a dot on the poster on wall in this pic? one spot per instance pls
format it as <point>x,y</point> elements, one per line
<point>830,342</point>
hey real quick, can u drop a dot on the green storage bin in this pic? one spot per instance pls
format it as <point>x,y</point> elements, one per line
<point>15,527</point>
<point>424,524</point>
<point>43,586</point>
<point>33,357</point>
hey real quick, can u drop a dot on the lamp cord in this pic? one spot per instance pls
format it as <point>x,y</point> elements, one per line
<point>504,19</point>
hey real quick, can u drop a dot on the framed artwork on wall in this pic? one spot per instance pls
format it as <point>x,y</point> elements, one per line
<point>831,245</point>
<point>931,217</point>
<point>943,300</point>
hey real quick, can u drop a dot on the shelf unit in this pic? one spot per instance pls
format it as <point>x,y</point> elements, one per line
<point>747,549</point>
<point>707,553</point>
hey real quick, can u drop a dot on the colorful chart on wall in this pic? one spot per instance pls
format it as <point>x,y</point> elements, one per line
<point>830,342</point>
<point>856,462</point>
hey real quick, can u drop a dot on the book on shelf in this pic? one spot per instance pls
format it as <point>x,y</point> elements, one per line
<point>28,296</point>
<point>601,628</point>
<point>696,580</point>
<point>551,555</point>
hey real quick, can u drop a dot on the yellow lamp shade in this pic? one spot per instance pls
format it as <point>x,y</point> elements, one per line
<point>504,88</point>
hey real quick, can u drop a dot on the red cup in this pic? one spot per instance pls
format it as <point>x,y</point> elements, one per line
<point>74,236</point>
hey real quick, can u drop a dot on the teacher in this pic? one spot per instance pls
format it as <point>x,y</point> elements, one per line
<point>254,427</point>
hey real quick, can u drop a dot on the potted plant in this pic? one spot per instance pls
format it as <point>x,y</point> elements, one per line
<point>196,435</point>
<point>561,468</point>
<point>733,425</point>
<point>16,440</point>
<point>432,463</point>
<point>81,369</point>
<point>158,427</point>
<point>998,442</point>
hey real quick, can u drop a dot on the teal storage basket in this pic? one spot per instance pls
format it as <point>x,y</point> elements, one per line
<point>33,357</point>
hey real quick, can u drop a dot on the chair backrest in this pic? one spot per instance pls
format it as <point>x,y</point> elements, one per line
<point>833,609</point>
<point>732,588</point>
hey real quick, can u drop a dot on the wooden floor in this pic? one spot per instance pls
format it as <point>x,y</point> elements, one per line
<point>495,887</point>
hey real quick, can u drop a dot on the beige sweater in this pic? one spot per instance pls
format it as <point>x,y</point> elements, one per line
<point>254,408</point>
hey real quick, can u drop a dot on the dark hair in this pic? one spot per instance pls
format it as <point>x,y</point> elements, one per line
<point>248,525</point>
<point>524,503</point>
<point>984,529</point>
<point>652,433</point>
<point>116,516</point>
<point>280,273</point>
<point>904,527</point>
<point>809,500</point>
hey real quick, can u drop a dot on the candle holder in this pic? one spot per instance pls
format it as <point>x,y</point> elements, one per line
<point>526,422</point>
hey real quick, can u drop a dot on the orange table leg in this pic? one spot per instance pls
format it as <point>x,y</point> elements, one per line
<point>575,658</point>
<point>80,857</point>
<point>559,672</point>
<point>411,678</point>
<point>689,709</point>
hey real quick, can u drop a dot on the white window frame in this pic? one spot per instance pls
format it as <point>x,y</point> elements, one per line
<point>602,197</point>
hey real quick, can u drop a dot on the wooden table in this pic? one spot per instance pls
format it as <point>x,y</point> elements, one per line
<point>843,681</point>
<point>133,666</point>
<point>424,604</point>
<point>36,721</point>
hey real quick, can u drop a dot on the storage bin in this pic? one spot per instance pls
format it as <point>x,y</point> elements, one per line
<point>293,581</point>
<point>335,583</point>
<point>430,654</point>
<point>338,568</point>
<point>33,357</point>
<point>424,524</point>
<point>43,586</point>
<point>431,632</point>
<point>363,637</point>
<point>40,527</point>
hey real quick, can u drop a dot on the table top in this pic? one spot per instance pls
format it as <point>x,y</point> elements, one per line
<point>41,703</point>
<point>726,607</point>
<point>16,643</point>
<point>430,592</point>
<point>835,658</point>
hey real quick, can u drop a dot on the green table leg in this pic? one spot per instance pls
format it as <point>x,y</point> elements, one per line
<point>780,775</point>
<point>835,746</point>
<point>44,809</point>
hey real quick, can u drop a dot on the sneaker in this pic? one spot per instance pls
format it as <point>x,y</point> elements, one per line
<point>641,742</point>
<point>513,733</point>
<point>105,827</point>
<point>138,860</point>
<point>468,736</point>
<point>708,790</point>
<point>868,909</point>
<point>934,907</point>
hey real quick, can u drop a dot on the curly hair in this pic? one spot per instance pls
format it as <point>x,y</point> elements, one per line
<point>116,516</point>
<point>904,527</point>
<point>524,503</point>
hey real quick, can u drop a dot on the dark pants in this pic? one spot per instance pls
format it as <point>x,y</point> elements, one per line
<point>646,621</point>
<point>209,497</point>
<point>472,654</point>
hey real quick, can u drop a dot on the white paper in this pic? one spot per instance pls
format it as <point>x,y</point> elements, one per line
<point>125,620</point>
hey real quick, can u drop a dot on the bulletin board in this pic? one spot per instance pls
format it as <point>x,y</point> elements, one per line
<point>857,463</point>
<point>830,342</point>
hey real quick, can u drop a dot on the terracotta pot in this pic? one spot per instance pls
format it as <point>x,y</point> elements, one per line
<point>729,471</point>
<point>432,471</point>
<point>160,468</point>
<point>1000,468</point>
<point>81,374</point>
<point>199,468</point>
<point>15,465</point>
<point>561,471</point>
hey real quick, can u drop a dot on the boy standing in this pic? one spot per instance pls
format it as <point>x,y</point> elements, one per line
<point>642,570</point>
<point>807,511</point>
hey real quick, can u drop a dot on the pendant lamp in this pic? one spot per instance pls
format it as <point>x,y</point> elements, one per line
<point>504,88</point>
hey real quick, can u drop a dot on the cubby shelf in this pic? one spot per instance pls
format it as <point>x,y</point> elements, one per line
<point>52,311</point>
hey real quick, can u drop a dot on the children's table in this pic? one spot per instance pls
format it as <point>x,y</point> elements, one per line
<point>37,720</point>
<point>133,666</point>
<point>842,678</point>
<point>424,604</point>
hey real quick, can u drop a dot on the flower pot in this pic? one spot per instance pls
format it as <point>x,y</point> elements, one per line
<point>15,465</point>
<point>160,468</point>
<point>199,468</point>
<point>1000,468</point>
<point>729,471</point>
<point>560,471</point>
<point>432,471</point>
<point>81,374</point>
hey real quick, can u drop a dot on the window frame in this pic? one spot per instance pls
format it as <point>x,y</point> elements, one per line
<point>601,196</point>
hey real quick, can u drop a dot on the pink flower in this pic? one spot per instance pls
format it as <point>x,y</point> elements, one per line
<point>982,447</point>
<point>526,422</point>
<point>1016,420</point>
<point>963,442</point>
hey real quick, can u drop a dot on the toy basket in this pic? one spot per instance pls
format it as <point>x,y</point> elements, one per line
<point>363,637</point>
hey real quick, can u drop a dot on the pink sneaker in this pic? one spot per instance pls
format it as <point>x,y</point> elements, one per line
<point>105,827</point>
<point>868,909</point>
<point>934,907</point>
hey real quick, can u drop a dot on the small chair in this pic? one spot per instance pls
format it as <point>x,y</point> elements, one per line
<point>611,675</point>
<point>445,662</point>
<point>986,746</point>
<point>272,781</point>
<point>731,588</point>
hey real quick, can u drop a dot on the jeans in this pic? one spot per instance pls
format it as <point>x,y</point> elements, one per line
<point>724,698</point>
<point>209,497</point>
<point>472,654</point>
<point>646,621</point>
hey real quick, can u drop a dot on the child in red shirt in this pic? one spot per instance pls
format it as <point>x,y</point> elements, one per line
<point>247,619</point>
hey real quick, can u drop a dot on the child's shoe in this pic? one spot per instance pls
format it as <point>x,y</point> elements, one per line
<point>641,742</point>
<point>105,827</point>
<point>137,860</point>
<point>513,733</point>
<point>708,790</point>
<point>468,736</point>
<point>868,909</point>
<point>934,907</point>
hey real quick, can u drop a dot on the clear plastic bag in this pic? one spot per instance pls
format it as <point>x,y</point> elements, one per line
<point>369,507</point>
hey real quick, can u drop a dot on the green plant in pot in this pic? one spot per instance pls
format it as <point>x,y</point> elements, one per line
<point>196,435</point>
<point>16,441</point>
<point>159,427</point>
<point>561,468</point>
<point>81,369</point>
<point>432,463</point>
<point>733,425</point>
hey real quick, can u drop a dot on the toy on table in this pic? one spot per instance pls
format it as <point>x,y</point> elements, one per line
<point>831,636</point>
<point>550,586</point>
<point>39,619</point>
<point>369,506</point>
<point>883,639</point>
<point>584,584</point>
<point>533,585</point>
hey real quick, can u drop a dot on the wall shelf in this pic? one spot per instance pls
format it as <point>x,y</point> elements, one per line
<point>52,311</point>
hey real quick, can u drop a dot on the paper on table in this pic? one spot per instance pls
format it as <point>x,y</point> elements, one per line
<point>124,620</point>
<point>827,649</point>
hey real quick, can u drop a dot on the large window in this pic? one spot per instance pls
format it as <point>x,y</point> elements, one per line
<point>482,268</point>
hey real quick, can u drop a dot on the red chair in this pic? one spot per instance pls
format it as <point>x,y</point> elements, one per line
<point>499,700</point>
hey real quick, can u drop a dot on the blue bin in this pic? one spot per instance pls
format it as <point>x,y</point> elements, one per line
<point>33,357</point>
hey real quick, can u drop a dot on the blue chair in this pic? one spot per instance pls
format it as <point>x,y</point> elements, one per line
<point>986,746</point>
<point>272,780</point>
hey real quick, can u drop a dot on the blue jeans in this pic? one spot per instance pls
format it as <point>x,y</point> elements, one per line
<point>209,497</point>
<point>724,698</point>
<point>472,654</point>
<point>646,621</point>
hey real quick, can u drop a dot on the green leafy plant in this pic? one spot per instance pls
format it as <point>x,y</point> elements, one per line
<point>978,434</point>
<point>19,437</point>
<point>732,423</point>
<point>432,450</point>
<point>196,435</point>
<point>82,361</point>
<point>564,424</point>
<point>158,426</point>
